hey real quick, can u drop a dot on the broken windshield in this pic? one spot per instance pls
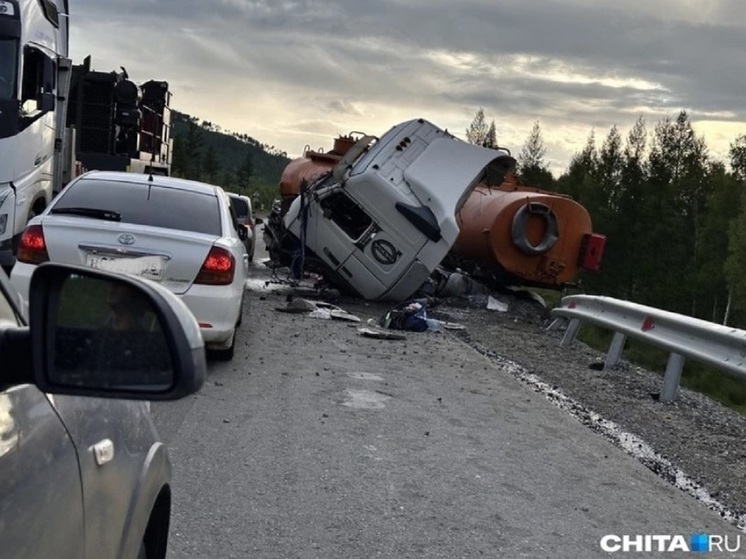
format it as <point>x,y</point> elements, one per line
<point>9,67</point>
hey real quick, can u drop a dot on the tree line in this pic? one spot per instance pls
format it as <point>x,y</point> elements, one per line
<point>204,151</point>
<point>674,217</point>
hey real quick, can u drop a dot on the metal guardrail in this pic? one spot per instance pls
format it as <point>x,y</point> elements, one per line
<point>684,337</point>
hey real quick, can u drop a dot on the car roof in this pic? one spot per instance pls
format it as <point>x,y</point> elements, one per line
<point>157,180</point>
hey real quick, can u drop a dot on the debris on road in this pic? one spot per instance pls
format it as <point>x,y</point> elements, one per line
<point>412,316</point>
<point>380,334</point>
<point>496,305</point>
<point>298,306</point>
<point>318,309</point>
<point>409,315</point>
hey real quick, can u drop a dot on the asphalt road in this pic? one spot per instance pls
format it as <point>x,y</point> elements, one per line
<point>315,442</point>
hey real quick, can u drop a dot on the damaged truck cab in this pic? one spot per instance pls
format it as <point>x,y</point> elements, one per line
<point>384,217</point>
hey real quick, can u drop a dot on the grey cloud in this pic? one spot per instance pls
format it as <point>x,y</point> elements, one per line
<point>337,54</point>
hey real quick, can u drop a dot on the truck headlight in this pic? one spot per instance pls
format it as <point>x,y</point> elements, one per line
<point>3,222</point>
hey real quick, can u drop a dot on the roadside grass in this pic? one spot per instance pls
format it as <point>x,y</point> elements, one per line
<point>729,391</point>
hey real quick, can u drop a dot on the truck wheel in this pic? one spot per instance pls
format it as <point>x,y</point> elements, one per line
<point>35,209</point>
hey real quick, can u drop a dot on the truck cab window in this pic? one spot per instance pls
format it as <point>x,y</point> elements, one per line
<point>8,54</point>
<point>38,79</point>
<point>346,214</point>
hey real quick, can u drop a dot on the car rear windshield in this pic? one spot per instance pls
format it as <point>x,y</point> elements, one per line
<point>240,207</point>
<point>154,205</point>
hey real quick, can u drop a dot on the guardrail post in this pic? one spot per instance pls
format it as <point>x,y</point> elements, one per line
<point>615,350</point>
<point>672,377</point>
<point>556,323</point>
<point>571,332</point>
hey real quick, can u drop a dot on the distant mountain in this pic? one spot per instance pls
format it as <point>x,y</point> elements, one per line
<point>237,162</point>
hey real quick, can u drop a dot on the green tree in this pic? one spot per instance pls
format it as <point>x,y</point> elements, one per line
<point>738,158</point>
<point>532,168</point>
<point>243,175</point>
<point>228,181</point>
<point>579,178</point>
<point>722,207</point>
<point>678,189</point>
<point>210,165</point>
<point>609,172</point>
<point>631,242</point>
<point>192,146</point>
<point>735,263</point>
<point>478,131</point>
<point>491,140</point>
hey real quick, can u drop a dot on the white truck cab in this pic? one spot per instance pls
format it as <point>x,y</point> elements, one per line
<point>33,50</point>
<point>385,217</point>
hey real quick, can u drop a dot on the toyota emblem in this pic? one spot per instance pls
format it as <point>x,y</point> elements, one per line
<point>126,239</point>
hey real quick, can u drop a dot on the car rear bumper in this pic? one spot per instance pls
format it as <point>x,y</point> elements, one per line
<point>216,308</point>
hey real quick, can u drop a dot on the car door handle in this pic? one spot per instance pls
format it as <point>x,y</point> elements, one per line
<point>103,451</point>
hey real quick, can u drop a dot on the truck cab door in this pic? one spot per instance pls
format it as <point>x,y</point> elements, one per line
<point>386,253</point>
<point>41,508</point>
<point>338,223</point>
<point>377,253</point>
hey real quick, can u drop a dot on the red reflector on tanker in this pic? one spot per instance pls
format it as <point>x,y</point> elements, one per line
<point>218,268</point>
<point>32,248</point>
<point>591,251</point>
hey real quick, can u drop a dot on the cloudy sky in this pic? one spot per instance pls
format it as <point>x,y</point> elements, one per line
<point>293,73</point>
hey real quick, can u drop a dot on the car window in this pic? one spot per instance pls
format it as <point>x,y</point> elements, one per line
<point>143,204</point>
<point>234,217</point>
<point>240,207</point>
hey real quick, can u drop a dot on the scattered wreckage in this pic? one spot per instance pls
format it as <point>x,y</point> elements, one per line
<point>410,315</point>
<point>377,217</point>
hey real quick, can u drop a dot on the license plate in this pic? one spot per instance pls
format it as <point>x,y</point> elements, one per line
<point>150,267</point>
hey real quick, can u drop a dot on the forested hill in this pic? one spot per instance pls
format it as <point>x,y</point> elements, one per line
<point>237,162</point>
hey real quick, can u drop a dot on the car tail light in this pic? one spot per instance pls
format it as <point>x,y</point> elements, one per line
<point>32,248</point>
<point>218,268</point>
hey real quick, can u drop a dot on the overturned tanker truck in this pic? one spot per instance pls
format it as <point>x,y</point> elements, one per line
<point>377,216</point>
<point>505,233</point>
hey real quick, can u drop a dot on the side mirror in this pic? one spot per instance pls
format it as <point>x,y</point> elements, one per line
<point>47,102</point>
<point>258,221</point>
<point>108,335</point>
<point>243,232</point>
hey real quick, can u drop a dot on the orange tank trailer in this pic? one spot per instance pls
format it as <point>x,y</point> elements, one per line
<point>311,166</point>
<point>538,237</point>
<point>528,235</point>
